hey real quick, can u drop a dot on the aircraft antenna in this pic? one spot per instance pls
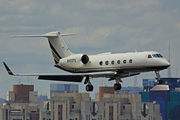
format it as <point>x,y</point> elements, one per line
<point>169,69</point>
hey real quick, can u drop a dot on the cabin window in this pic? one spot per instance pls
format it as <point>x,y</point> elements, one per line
<point>124,61</point>
<point>149,56</point>
<point>112,62</point>
<point>100,63</point>
<point>118,62</point>
<point>130,61</point>
<point>107,62</point>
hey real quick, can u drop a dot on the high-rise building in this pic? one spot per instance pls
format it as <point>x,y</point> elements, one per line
<point>120,107</point>
<point>22,92</point>
<point>64,106</point>
<point>21,104</point>
<point>61,88</point>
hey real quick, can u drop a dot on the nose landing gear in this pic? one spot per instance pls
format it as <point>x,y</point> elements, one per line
<point>158,76</point>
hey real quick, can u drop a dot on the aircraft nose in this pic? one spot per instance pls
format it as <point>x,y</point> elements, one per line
<point>165,63</point>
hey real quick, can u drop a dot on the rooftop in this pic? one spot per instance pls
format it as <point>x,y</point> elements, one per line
<point>160,87</point>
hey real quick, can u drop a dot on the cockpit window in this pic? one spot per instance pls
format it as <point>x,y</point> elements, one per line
<point>157,55</point>
<point>149,56</point>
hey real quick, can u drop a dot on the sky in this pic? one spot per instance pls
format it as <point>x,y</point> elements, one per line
<point>116,26</point>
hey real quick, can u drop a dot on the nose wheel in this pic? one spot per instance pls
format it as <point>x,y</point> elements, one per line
<point>158,76</point>
<point>159,82</point>
<point>89,87</point>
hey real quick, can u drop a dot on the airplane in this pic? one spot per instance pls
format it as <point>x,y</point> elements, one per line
<point>112,66</point>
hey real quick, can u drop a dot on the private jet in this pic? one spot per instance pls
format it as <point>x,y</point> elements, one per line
<point>112,66</point>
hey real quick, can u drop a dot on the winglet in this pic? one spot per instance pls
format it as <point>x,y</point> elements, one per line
<point>8,70</point>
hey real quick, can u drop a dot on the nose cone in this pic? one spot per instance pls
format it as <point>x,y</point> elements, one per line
<point>165,63</point>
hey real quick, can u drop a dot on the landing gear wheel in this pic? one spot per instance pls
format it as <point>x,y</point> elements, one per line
<point>89,88</point>
<point>159,82</point>
<point>117,86</point>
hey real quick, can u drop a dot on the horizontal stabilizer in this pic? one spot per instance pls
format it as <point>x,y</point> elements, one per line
<point>17,36</point>
<point>63,35</point>
<point>44,35</point>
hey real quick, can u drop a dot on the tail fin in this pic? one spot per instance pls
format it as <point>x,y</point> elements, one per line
<point>58,47</point>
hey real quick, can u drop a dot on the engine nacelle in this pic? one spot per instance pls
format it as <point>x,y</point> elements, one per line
<point>74,61</point>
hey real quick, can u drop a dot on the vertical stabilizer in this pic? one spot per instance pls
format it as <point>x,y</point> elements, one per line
<point>58,47</point>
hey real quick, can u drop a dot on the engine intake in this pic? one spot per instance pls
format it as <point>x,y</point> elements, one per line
<point>85,59</point>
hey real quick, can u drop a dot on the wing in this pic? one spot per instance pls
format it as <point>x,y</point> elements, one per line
<point>76,77</point>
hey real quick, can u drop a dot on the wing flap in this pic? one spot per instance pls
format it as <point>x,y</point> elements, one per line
<point>61,78</point>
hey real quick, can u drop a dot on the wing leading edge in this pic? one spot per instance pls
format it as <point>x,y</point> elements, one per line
<point>76,77</point>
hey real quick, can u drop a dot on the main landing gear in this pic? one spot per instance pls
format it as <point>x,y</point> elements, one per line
<point>158,76</point>
<point>117,85</point>
<point>89,87</point>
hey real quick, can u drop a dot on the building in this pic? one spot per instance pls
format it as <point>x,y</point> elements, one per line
<point>148,82</point>
<point>130,90</point>
<point>61,88</point>
<point>103,90</point>
<point>145,111</point>
<point>64,106</point>
<point>20,93</point>
<point>21,104</point>
<point>45,110</point>
<point>114,103</point>
<point>42,98</point>
<point>175,82</point>
<point>167,97</point>
<point>120,107</point>
<point>91,110</point>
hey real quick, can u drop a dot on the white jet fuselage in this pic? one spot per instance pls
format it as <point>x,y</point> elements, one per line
<point>125,62</point>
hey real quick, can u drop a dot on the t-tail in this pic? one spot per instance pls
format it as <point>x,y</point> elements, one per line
<point>58,47</point>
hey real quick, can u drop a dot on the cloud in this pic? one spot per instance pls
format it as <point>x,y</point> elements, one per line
<point>178,25</point>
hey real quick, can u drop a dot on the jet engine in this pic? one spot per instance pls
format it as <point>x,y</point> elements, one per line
<point>74,61</point>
